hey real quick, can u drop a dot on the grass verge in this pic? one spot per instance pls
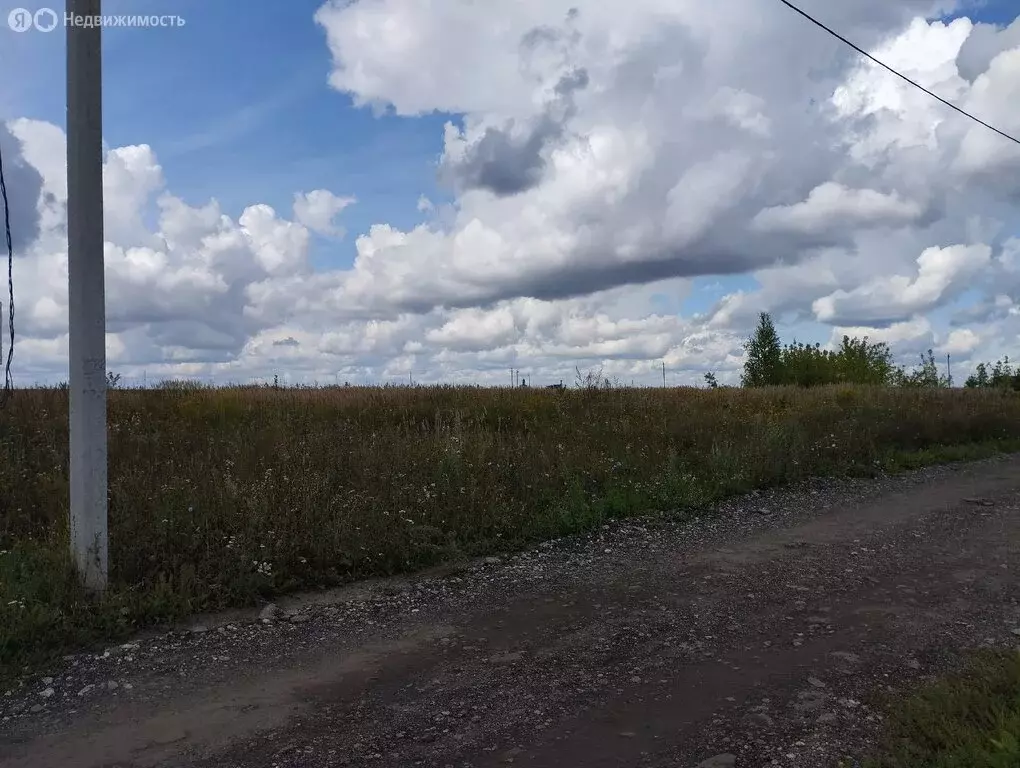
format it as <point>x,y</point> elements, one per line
<point>967,720</point>
<point>219,498</point>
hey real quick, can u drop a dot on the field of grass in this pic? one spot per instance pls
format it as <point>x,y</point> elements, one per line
<point>221,497</point>
<point>968,720</point>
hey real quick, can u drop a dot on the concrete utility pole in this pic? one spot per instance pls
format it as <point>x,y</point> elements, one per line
<point>86,295</point>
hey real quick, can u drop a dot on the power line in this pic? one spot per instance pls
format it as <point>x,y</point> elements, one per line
<point>839,37</point>
<point>8,381</point>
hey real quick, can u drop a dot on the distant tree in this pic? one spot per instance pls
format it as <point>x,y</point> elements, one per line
<point>859,362</point>
<point>762,368</point>
<point>978,379</point>
<point>924,376</point>
<point>710,381</point>
<point>855,361</point>
<point>1000,376</point>
<point>805,365</point>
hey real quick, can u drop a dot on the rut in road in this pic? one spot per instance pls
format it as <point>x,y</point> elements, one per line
<point>761,631</point>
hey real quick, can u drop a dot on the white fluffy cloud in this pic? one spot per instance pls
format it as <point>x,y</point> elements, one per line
<point>831,206</point>
<point>318,210</point>
<point>24,178</point>
<point>603,156</point>
<point>893,298</point>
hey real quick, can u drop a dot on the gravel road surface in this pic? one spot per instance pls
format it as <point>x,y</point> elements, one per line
<point>758,634</point>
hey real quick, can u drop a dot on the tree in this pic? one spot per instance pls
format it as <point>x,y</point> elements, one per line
<point>926,375</point>
<point>805,365</point>
<point>1002,376</point>
<point>710,381</point>
<point>856,361</point>
<point>979,379</point>
<point>859,362</point>
<point>763,367</point>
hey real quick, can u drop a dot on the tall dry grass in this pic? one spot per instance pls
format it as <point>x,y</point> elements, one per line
<point>218,497</point>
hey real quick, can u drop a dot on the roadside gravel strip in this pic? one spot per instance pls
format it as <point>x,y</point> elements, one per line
<point>758,634</point>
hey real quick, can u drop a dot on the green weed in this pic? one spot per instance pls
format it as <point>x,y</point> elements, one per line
<point>223,497</point>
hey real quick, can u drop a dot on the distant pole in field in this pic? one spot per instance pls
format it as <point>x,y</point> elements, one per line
<point>86,297</point>
<point>949,371</point>
<point>663,374</point>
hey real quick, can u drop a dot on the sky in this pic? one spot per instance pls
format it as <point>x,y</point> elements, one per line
<point>447,189</point>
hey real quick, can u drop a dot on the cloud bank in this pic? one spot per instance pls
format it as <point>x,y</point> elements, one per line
<point>603,158</point>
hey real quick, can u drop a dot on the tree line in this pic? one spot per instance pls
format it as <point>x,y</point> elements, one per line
<point>856,361</point>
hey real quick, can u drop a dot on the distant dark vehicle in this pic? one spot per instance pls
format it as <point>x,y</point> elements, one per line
<point>558,387</point>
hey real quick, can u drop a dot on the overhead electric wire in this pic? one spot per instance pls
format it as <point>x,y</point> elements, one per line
<point>8,381</point>
<point>864,53</point>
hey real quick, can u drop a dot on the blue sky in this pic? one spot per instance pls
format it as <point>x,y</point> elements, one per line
<point>237,107</point>
<point>988,11</point>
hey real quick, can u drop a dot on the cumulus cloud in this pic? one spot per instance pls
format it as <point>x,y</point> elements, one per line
<point>961,341</point>
<point>24,186</point>
<point>910,338</point>
<point>601,157</point>
<point>684,153</point>
<point>894,298</point>
<point>831,205</point>
<point>318,209</point>
<point>512,158</point>
<point>984,43</point>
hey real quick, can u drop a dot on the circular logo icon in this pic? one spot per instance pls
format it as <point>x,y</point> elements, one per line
<point>20,20</point>
<point>45,19</point>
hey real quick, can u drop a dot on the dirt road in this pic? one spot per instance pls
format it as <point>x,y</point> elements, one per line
<point>758,633</point>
